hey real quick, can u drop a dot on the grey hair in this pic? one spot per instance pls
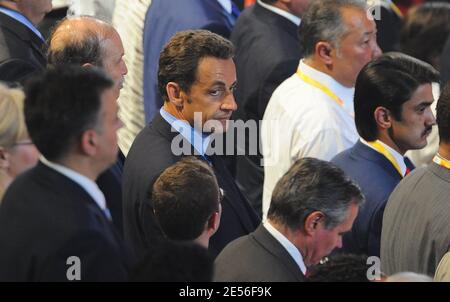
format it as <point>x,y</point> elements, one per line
<point>409,277</point>
<point>313,185</point>
<point>322,21</point>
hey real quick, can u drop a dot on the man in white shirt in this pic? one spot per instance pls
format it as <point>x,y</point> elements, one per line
<point>311,113</point>
<point>312,206</point>
<point>55,225</point>
<point>393,95</point>
<point>271,25</point>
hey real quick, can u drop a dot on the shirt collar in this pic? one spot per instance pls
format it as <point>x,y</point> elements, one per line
<point>22,19</point>
<point>294,19</point>
<point>198,140</point>
<point>290,248</point>
<point>226,4</point>
<point>398,157</point>
<point>344,93</point>
<point>88,185</point>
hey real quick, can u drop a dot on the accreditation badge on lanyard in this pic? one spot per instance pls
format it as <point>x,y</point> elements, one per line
<point>438,159</point>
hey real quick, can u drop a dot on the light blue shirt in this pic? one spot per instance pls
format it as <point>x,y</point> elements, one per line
<point>226,4</point>
<point>22,19</point>
<point>87,184</point>
<point>196,138</point>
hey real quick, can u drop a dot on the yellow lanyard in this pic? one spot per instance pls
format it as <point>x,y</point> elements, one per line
<point>320,86</point>
<point>441,161</point>
<point>396,10</point>
<point>382,149</point>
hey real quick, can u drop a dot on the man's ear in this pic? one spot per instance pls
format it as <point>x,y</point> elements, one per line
<point>89,142</point>
<point>214,222</point>
<point>175,94</point>
<point>312,221</point>
<point>324,51</point>
<point>382,117</point>
<point>4,159</point>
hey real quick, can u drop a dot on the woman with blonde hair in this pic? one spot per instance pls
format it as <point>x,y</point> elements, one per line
<point>17,152</point>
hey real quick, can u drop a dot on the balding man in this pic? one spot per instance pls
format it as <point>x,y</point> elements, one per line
<point>87,41</point>
<point>22,46</point>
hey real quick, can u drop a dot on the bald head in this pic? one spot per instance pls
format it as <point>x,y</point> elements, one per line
<point>87,41</point>
<point>78,40</point>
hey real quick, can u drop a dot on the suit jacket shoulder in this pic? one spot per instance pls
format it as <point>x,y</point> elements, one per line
<point>376,186</point>
<point>48,222</point>
<point>257,257</point>
<point>22,52</point>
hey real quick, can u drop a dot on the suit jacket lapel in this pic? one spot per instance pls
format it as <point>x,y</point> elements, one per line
<point>275,248</point>
<point>369,154</point>
<point>25,34</point>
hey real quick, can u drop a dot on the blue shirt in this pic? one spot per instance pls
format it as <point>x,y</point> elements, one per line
<point>22,19</point>
<point>197,139</point>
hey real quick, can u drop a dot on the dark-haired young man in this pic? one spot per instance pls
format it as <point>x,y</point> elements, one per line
<point>54,222</point>
<point>392,114</point>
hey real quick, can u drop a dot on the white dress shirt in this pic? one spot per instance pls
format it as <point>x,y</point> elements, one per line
<point>294,19</point>
<point>302,121</point>
<point>290,248</point>
<point>88,185</point>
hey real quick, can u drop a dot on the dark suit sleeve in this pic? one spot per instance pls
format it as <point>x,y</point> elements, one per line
<point>278,74</point>
<point>17,70</point>
<point>374,236</point>
<point>100,260</point>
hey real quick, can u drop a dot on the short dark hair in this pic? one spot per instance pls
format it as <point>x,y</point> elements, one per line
<point>61,104</point>
<point>180,57</point>
<point>169,261</point>
<point>313,185</point>
<point>425,31</point>
<point>184,197</point>
<point>322,21</point>
<point>79,45</point>
<point>443,115</point>
<point>388,81</point>
<point>341,268</point>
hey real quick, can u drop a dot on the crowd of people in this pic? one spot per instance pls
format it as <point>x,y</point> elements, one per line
<point>268,140</point>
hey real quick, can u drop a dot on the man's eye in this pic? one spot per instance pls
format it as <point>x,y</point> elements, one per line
<point>214,92</point>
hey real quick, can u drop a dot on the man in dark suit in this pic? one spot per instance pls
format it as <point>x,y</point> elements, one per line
<point>55,225</point>
<point>392,114</point>
<point>313,204</point>
<point>267,53</point>
<point>445,63</point>
<point>416,233</point>
<point>166,17</point>
<point>87,42</point>
<point>197,77</point>
<point>22,46</point>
